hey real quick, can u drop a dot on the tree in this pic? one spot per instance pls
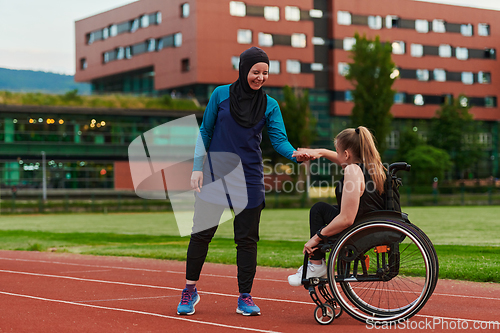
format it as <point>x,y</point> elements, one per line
<point>427,162</point>
<point>372,74</point>
<point>408,140</point>
<point>454,130</point>
<point>299,122</point>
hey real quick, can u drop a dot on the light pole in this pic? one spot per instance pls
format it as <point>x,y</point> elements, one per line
<point>44,177</point>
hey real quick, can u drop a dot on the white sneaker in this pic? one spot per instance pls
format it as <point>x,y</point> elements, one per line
<point>295,280</point>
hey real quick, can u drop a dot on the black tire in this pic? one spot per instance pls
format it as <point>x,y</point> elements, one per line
<point>326,317</point>
<point>393,294</point>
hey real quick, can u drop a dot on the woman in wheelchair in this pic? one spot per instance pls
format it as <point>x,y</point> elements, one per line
<point>359,192</point>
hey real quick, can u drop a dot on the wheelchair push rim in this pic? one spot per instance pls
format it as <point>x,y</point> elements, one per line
<point>394,296</point>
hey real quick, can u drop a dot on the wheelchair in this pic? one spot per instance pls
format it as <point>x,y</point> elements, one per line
<point>380,270</point>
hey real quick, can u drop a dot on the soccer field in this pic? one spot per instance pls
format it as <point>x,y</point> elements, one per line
<point>444,225</point>
<point>467,239</point>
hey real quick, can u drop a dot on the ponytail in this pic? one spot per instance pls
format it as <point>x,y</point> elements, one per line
<point>371,158</point>
<point>362,144</point>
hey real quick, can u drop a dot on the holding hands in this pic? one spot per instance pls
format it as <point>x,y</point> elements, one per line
<point>306,154</point>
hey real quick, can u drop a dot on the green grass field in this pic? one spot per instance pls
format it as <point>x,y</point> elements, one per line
<point>467,239</point>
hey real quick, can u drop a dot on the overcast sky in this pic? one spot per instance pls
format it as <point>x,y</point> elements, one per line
<point>39,34</point>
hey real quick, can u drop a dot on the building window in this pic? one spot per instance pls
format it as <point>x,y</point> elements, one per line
<point>120,53</point>
<point>398,47</point>
<point>489,53</point>
<point>489,102</point>
<point>185,10</point>
<point>235,61</point>
<point>417,50</point>
<point>464,101</point>
<point>343,68</point>
<point>317,41</point>
<point>418,100</point>
<point>105,33</point>
<point>292,13</point>
<point>440,75</point>
<point>83,64</point>
<point>391,21</point>
<point>237,8</point>
<point>422,74</point>
<point>344,18</point>
<point>128,52</point>
<point>158,17</point>
<point>144,21</point>
<point>375,22</point>
<point>392,140</point>
<point>265,39</point>
<point>422,26</point>
<point>159,46</point>
<point>185,65</point>
<point>348,96</point>
<point>317,67</point>
<point>483,29</point>
<point>348,43</point>
<point>293,66</point>
<point>439,26</point>
<point>274,66</point>
<point>467,78</point>
<point>462,53</point>
<point>178,39</point>
<point>484,77</point>
<point>316,13</point>
<point>113,30</point>
<point>399,98</point>
<point>90,38</point>
<point>466,30</point>
<point>272,13</point>
<point>151,45</point>
<point>445,51</point>
<point>106,57</point>
<point>244,36</point>
<point>299,40</point>
<point>134,25</point>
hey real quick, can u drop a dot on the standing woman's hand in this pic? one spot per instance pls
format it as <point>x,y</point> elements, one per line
<point>197,180</point>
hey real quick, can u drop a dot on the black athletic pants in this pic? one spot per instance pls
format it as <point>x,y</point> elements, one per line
<point>246,236</point>
<point>320,215</point>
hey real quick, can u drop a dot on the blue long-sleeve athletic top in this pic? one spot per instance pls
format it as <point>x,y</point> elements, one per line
<point>220,133</point>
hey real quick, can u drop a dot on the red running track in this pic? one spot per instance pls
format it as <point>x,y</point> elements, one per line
<point>49,292</point>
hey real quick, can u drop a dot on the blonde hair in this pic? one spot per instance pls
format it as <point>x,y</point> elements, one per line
<point>361,143</point>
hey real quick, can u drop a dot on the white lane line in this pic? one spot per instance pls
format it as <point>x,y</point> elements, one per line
<point>144,286</point>
<point>210,275</point>
<point>179,289</point>
<point>131,269</point>
<point>84,265</point>
<point>459,319</point>
<point>125,299</point>
<point>91,271</point>
<point>139,312</point>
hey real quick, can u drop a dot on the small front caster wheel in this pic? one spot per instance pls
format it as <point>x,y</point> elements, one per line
<point>324,315</point>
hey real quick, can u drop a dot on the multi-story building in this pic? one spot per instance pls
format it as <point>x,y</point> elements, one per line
<point>191,46</point>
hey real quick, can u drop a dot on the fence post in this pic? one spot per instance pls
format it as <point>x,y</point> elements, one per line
<point>462,193</point>
<point>66,203</point>
<point>40,204</point>
<point>408,195</point>
<point>92,202</point>
<point>490,193</point>
<point>119,201</point>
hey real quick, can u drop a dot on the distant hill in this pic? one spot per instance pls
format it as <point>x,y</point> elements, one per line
<point>33,81</point>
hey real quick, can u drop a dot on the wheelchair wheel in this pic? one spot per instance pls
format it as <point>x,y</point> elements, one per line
<point>433,250</point>
<point>382,270</point>
<point>324,316</point>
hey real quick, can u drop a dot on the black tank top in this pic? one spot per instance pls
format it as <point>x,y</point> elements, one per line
<point>370,201</point>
